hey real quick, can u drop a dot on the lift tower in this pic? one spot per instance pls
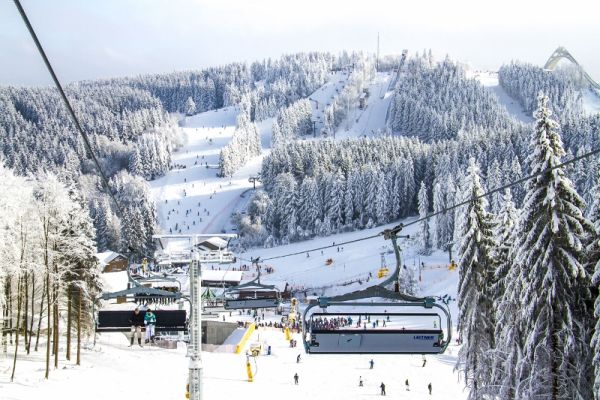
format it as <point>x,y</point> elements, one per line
<point>194,250</point>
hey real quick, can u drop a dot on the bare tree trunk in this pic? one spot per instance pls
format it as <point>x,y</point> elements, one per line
<point>79,328</point>
<point>37,336</point>
<point>69,323</point>
<point>5,316</point>
<point>49,319</point>
<point>32,311</point>
<point>19,301</point>
<point>10,308</point>
<point>25,309</point>
<point>55,308</point>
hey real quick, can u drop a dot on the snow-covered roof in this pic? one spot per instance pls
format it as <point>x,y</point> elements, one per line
<point>114,281</point>
<point>213,243</point>
<point>220,275</point>
<point>107,256</point>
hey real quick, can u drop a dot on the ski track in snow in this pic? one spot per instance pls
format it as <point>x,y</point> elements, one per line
<point>114,371</point>
<point>209,199</point>
<point>490,81</point>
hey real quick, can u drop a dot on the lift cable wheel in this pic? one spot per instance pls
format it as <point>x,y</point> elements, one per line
<point>335,332</point>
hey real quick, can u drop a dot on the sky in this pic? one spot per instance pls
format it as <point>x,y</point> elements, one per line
<point>91,39</point>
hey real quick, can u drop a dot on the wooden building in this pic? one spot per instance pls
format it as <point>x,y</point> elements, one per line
<point>112,262</point>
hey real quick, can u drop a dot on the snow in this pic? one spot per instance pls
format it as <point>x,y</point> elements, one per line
<point>196,187</point>
<point>114,281</point>
<point>106,257</point>
<point>591,102</point>
<point>373,117</point>
<point>489,80</point>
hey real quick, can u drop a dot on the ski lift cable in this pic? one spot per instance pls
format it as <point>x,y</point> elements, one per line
<point>398,228</point>
<point>84,136</point>
<point>323,247</point>
<point>496,190</point>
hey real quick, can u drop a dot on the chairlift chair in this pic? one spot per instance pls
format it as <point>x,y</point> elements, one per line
<point>394,338</point>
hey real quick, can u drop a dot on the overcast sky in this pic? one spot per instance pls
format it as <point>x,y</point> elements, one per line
<point>88,39</point>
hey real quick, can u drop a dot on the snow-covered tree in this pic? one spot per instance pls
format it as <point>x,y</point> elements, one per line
<point>190,107</point>
<point>425,245</point>
<point>593,265</point>
<point>556,361</point>
<point>476,313</point>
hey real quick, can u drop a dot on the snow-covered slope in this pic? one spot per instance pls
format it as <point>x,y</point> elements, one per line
<point>191,198</point>
<point>591,102</point>
<point>489,80</point>
<point>112,370</point>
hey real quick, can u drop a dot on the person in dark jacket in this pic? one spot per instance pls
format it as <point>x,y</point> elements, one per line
<point>137,321</point>
<point>382,386</point>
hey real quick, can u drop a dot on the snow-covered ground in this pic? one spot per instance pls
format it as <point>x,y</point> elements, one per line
<point>359,122</point>
<point>112,370</point>
<point>191,198</point>
<point>373,118</point>
<point>489,80</point>
<point>591,101</point>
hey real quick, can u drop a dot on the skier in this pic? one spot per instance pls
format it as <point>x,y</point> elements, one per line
<point>360,381</point>
<point>296,378</point>
<point>150,322</point>
<point>407,386</point>
<point>429,387</point>
<point>371,363</point>
<point>298,358</point>
<point>382,386</point>
<point>136,320</point>
<point>424,361</point>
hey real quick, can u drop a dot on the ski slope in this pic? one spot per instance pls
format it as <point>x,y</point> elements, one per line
<point>111,370</point>
<point>489,80</point>
<point>191,198</point>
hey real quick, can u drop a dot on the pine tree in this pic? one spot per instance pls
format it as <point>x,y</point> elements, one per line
<point>440,237</point>
<point>556,353</point>
<point>593,260</point>
<point>476,320</point>
<point>190,107</point>
<point>425,245</point>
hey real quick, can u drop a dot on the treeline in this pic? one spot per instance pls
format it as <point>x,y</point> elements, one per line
<point>524,82</point>
<point>528,281</point>
<point>48,269</point>
<point>436,102</point>
<point>322,187</point>
<point>292,123</point>
<point>129,131</point>
<point>244,145</point>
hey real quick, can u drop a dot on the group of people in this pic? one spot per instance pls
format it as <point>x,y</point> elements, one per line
<point>406,383</point>
<point>139,320</point>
